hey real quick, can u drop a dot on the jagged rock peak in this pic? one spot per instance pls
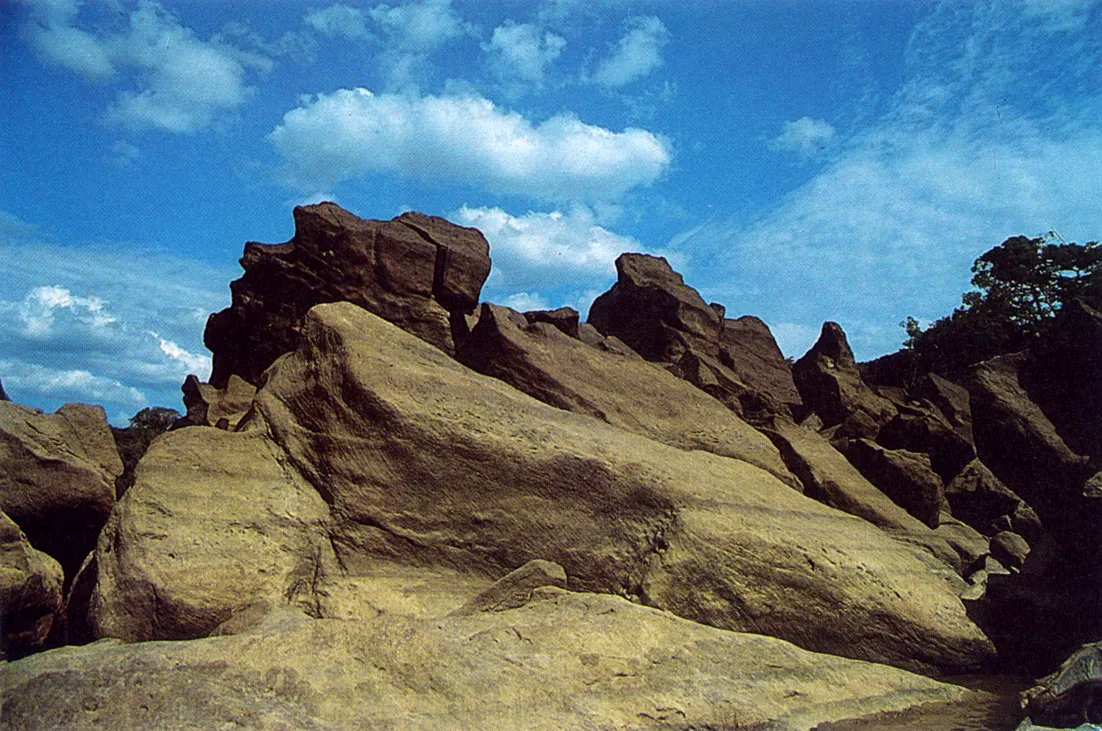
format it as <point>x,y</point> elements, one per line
<point>420,272</point>
<point>833,344</point>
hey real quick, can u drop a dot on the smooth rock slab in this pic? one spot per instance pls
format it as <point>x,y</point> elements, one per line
<point>564,661</point>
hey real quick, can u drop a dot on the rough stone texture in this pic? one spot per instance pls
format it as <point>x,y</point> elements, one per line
<point>417,271</point>
<point>748,349</point>
<point>622,390</point>
<point>429,463</point>
<point>952,400</point>
<point>979,498</point>
<point>30,593</point>
<point>215,520</point>
<point>921,427</point>
<point>830,384</point>
<point>563,661</point>
<point>652,310</point>
<point>1009,549</point>
<point>208,405</point>
<point>515,588</point>
<point>905,477</point>
<point>564,318</point>
<point>57,477</point>
<point>1070,696</point>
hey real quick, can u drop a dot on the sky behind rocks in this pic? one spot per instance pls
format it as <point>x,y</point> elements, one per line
<point>799,161</point>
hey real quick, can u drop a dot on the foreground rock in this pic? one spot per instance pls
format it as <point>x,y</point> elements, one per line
<point>621,389</point>
<point>417,271</point>
<point>30,593</point>
<point>425,462</point>
<point>1070,696</point>
<point>564,660</point>
<point>57,480</point>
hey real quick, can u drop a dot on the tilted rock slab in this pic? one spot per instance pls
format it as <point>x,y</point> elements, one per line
<point>30,593</point>
<point>424,461</point>
<point>57,477</point>
<point>539,359</point>
<point>563,661</point>
<point>420,272</point>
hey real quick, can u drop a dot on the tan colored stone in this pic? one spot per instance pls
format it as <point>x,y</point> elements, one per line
<point>30,593</point>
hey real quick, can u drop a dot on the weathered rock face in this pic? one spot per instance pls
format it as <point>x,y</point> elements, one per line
<point>830,383</point>
<point>58,477</point>
<point>214,521</point>
<point>563,660</point>
<point>420,272</point>
<point>652,310</point>
<point>748,349</point>
<point>30,593</point>
<point>980,499</point>
<point>1072,695</point>
<point>218,407</point>
<point>906,477</point>
<point>538,358</point>
<point>423,461</point>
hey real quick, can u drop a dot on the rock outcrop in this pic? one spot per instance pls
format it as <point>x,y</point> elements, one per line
<point>30,593</point>
<point>3,393</point>
<point>563,660</point>
<point>58,477</point>
<point>907,477</point>
<point>540,359</point>
<point>223,408</point>
<point>420,272</point>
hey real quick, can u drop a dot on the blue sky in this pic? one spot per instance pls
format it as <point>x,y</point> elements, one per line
<point>800,161</point>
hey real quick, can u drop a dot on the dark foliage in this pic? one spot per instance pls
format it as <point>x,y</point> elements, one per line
<point>133,440</point>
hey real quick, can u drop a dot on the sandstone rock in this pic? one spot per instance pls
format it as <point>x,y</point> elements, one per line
<point>215,521</point>
<point>208,405</point>
<point>417,271</point>
<point>515,588</point>
<point>564,660</point>
<point>979,498</point>
<point>30,593</point>
<point>57,477</point>
<point>952,400</point>
<point>905,477</point>
<point>564,318</point>
<point>830,383</point>
<point>748,349</point>
<point>1009,549</point>
<point>652,310</point>
<point>427,463</point>
<point>625,391</point>
<point>1070,696</point>
<point>921,427</point>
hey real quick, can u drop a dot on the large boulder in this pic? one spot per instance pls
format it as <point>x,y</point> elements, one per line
<point>215,521</point>
<point>830,384</point>
<point>748,349</point>
<point>980,499</point>
<point>420,272</point>
<point>1070,696</point>
<point>906,477</point>
<point>426,462</point>
<point>57,477</point>
<point>537,357</point>
<point>30,593</point>
<point>562,661</point>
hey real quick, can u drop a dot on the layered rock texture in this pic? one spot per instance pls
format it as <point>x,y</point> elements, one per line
<point>390,506</point>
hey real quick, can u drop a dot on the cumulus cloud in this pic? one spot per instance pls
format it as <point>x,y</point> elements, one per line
<point>182,83</point>
<point>522,52</point>
<point>86,324</point>
<point>637,53</point>
<point>414,31</point>
<point>979,143</point>
<point>338,20</point>
<point>467,139</point>
<point>806,137</point>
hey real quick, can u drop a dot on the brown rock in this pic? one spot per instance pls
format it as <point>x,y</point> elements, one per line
<point>1009,549</point>
<point>515,588</point>
<point>30,593</point>
<point>417,271</point>
<point>652,310</point>
<point>921,427</point>
<point>748,349</point>
<point>905,477</point>
<point>952,400</point>
<point>564,318</point>
<point>830,384</point>
<point>57,477</point>
<point>425,462</point>
<point>625,391</point>
<point>208,405</point>
<point>562,661</point>
<point>3,393</point>
<point>979,498</point>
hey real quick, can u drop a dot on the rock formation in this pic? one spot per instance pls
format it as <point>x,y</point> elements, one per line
<point>58,477</point>
<point>30,593</point>
<point>208,405</point>
<point>420,272</point>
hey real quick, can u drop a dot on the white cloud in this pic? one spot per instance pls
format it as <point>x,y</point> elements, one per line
<point>182,82</point>
<point>637,54</point>
<point>522,52</point>
<point>995,132</point>
<point>338,20</point>
<point>61,386</point>
<point>39,308</point>
<point>196,363</point>
<point>353,132</point>
<point>806,137</point>
<point>526,302</point>
<point>414,31</point>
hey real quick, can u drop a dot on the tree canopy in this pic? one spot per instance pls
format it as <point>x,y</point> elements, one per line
<point>1020,286</point>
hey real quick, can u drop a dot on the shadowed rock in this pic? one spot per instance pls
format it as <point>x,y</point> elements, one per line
<point>30,593</point>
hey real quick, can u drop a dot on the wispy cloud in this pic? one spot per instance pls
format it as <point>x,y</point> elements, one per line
<point>174,81</point>
<point>338,20</point>
<point>413,32</point>
<point>352,133</point>
<point>994,132</point>
<point>519,54</point>
<point>807,137</point>
<point>636,54</point>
